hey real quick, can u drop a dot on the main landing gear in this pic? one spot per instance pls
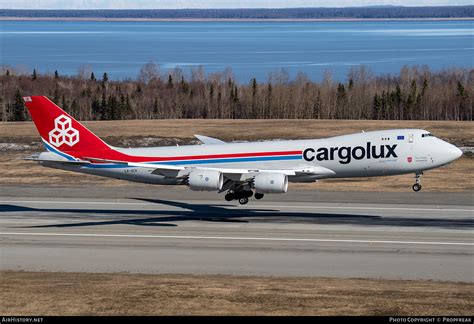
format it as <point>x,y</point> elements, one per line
<point>242,196</point>
<point>417,186</point>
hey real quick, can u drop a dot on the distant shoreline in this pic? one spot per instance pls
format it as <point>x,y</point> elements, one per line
<point>226,19</point>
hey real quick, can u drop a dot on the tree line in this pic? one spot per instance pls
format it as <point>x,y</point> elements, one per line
<point>415,93</point>
<point>259,13</point>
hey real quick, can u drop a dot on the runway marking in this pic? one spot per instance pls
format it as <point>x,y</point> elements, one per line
<point>245,207</point>
<point>375,208</point>
<point>185,237</point>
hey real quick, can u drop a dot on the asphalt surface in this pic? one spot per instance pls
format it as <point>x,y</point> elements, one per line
<point>343,234</point>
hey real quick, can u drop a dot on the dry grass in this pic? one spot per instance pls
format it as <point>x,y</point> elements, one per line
<point>242,129</point>
<point>454,177</point>
<point>43,293</point>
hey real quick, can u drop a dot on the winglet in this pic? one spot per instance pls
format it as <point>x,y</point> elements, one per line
<point>209,140</point>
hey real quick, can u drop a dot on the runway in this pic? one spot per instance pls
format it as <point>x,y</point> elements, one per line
<point>352,235</point>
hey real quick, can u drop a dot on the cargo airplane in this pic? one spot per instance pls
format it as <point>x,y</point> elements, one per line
<point>241,170</point>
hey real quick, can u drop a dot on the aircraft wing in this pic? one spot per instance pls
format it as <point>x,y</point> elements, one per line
<point>209,140</point>
<point>161,169</point>
<point>234,173</point>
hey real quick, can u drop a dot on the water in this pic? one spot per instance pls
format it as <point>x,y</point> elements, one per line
<point>251,49</point>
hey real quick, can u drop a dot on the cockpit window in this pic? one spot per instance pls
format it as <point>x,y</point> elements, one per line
<point>426,135</point>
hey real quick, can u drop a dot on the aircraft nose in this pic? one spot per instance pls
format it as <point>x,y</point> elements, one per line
<point>455,152</point>
<point>451,152</point>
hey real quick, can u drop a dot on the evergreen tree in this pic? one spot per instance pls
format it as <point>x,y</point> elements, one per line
<point>74,108</point>
<point>103,107</point>
<point>34,76</point>
<point>254,87</point>
<point>56,75</point>
<point>235,104</point>
<point>56,95</point>
<point>7,73</point>
<point>184,85</point>
<point>121,106</point>
<point>170,82</point>
<point>351,84</point>
<point>398,99</point>
<point>464,112</point>
<point>65,104</point>
<point>254,97</point>
<point>236,94</point>
<point>411,100</point>
<point>425,86</point>
<point>383,106</point>
<point>128,107</point>
<point>376,106</point>
<point>18,110</point>
<point>113,109</point>
<point>317,106</point>
<point>105,79</point>
<point>92,76</point>
<point>211,92</point>
<point>340,100</point>
<point>461,91</point>
<point>95,108</point>
<point>268,100</point>
<point>156,108</point>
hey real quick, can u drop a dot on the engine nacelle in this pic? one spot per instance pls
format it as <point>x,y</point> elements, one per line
<point>271,183</point>
<point>205,180</point>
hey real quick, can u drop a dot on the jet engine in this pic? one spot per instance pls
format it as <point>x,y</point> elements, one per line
<point>205,180</point>
<point>271,183</point>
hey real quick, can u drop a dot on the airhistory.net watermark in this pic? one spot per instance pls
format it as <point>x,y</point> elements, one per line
<point>436,319</point>
<point>20,319</point>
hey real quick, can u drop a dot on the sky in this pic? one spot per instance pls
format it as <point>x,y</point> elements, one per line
<point>179,4</point>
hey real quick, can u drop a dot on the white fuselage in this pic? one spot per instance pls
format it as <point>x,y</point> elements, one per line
<point>375,153</point>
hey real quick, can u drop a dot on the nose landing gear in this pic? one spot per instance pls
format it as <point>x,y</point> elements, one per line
<point>417,186</point>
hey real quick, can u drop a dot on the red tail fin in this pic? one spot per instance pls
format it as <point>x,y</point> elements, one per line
<point>59,130</point>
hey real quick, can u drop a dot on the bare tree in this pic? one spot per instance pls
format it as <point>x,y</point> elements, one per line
<point>84,72</point>
<point>148,72</point>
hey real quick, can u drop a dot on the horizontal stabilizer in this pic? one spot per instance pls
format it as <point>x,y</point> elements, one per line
<point>51,157</point>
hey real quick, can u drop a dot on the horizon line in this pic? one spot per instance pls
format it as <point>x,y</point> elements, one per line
<point>250,8</point>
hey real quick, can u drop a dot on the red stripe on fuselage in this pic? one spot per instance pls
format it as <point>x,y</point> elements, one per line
<point>119,156</point>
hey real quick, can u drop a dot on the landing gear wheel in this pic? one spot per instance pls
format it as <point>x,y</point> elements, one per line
<point>229,197</point>
<point>417,186</point>
<point>243,200</point>
<point>258,195</point>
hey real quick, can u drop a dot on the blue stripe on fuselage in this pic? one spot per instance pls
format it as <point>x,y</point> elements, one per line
<point>243,159</point>
<point>192,162</point>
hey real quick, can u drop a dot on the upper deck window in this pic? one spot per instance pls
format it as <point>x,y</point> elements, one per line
<point>426,135</point>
